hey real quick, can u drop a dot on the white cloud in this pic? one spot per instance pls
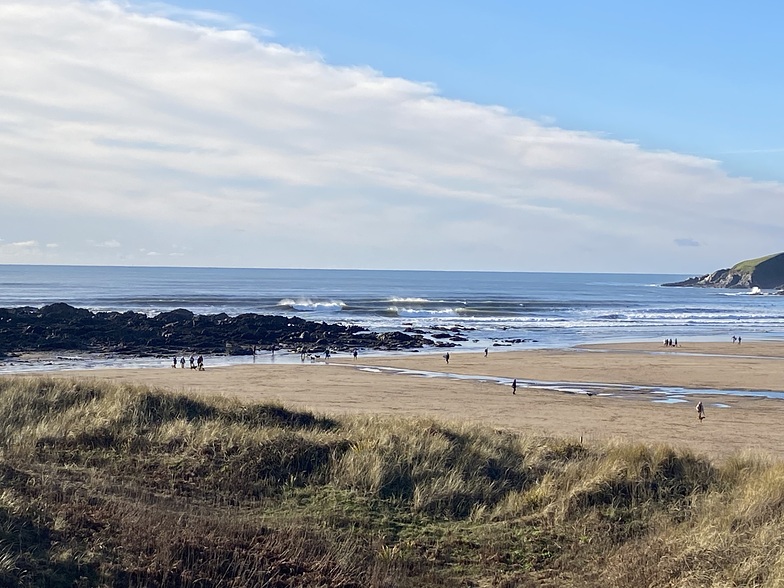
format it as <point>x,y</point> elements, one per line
<point>23,244</point>
<point>110,244</point>
<point>158,125</point>
<point>22,251</point>
<point>205,17</point>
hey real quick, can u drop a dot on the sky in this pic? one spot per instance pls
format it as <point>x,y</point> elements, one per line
<point>502,136</point>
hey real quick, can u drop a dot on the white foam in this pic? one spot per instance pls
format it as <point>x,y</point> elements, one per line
<point>419,312</point>
<point>308,305</point>
<point>397,300</point>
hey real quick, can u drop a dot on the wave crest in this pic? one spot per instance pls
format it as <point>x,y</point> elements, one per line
<point>411,299</point>
<point>308,305</point>
<point>420,312</point>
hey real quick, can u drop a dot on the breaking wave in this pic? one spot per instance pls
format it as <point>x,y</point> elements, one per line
<point>308,305</point>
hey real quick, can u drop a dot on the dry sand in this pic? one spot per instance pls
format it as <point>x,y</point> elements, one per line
<point>734,422</point>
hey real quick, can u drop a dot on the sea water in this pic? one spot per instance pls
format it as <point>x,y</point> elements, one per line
<point>500,310</point>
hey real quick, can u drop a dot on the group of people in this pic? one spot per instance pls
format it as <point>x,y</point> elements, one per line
<point>195,363</point>
<point>303,354</point>
<point>736,339</point>
<point>670,342</point>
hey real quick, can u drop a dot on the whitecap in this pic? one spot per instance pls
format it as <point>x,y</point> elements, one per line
<point>409,300</point>
<point>419,312</point>
<point>308,305</point>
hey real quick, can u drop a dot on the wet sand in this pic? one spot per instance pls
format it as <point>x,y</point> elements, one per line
<point>596,392</point>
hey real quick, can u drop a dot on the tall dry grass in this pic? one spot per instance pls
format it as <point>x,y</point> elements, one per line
<point>104,485</point>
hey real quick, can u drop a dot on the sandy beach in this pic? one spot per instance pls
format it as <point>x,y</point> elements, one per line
<point>642,392</point>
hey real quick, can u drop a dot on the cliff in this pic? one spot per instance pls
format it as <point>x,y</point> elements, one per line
<point>764,273</point>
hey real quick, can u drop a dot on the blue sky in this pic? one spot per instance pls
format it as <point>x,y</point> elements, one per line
<point>560,136</point>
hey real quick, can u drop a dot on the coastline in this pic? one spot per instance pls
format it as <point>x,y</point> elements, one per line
<point>639,392</point>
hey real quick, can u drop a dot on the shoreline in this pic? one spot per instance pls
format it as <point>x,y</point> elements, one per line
<point>476,388</point>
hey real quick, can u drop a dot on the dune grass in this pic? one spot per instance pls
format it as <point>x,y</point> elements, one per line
<point>105,485</point>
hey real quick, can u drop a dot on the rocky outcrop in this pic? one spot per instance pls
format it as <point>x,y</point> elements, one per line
<point>765,273</point>
<point>61,327</point>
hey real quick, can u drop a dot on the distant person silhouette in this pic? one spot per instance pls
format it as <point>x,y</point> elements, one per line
<point>514,386</point>
<point>446,357</point>
<point>700,411</point>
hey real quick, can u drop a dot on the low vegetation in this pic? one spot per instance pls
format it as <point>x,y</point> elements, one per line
<point>118,486</point>
<point>750,265</point>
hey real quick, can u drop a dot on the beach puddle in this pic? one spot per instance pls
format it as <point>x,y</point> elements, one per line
<point>655,394</point>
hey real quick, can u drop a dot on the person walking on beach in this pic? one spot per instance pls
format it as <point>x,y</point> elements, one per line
<point>193,362</point>
<point>700,411</point>
<point>200,362</point>
<point>446,357</point>
<point>174,362</point>
<point>355,354</point>
<point>485,351</point>
<point>182,362</point>
<point>514,386</point>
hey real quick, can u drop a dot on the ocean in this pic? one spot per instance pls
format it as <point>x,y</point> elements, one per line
<point>490,309</point>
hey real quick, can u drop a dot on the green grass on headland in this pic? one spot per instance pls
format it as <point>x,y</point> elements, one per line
<point>751,264</point>
<point>105,485</point>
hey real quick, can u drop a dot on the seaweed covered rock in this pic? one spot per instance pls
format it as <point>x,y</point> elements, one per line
<point>61,327</point>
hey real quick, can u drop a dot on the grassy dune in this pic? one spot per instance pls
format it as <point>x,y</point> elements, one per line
<point>116,486</point>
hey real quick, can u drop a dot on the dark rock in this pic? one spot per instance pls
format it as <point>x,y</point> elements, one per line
<point>60,327</point>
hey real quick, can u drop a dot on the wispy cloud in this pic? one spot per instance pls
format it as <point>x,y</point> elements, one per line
<point>196,16</point>
<point>16,250</point>
<point>110,244</point>
<point>687,243</point>
<point>158,126</point>
<point>23,244</point>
